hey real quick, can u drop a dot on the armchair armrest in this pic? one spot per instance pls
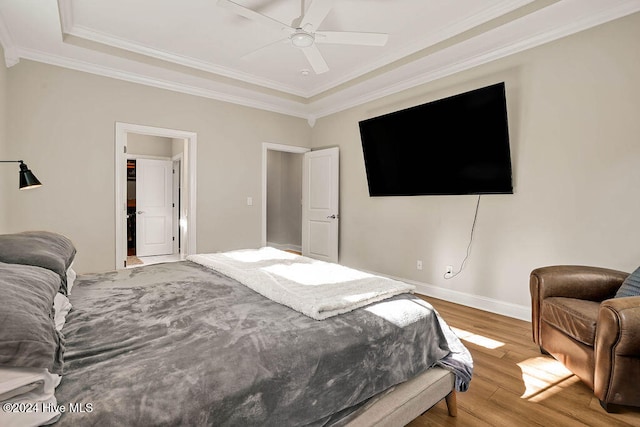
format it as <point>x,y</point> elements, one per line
<point>576,281</point>
<point>617,350</point>
<point>571,281</point>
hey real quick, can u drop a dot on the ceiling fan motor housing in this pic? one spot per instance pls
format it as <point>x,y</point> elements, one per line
<point>300,38</point>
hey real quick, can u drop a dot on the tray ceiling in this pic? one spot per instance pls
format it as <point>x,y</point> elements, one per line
<point>201,48</point>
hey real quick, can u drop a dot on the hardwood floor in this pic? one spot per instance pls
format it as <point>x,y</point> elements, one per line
<point>513,384</point>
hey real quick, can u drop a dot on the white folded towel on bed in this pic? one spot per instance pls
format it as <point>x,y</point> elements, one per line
<point>315,288</point>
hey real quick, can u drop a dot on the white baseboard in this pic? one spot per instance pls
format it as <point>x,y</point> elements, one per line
<point>482,303</point>
<point>285,246</point>
<point>476,301</point>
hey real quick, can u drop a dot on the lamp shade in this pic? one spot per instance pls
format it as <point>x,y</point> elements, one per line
<point>27,178</point>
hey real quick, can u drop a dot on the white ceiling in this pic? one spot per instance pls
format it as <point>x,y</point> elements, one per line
<point>198,47</point>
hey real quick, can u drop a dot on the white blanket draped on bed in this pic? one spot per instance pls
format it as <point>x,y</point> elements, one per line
<point>315,288</point>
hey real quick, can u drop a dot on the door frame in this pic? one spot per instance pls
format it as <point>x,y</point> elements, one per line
<point>266,146</point>
<point>188,196</point>
<point>177,208</point>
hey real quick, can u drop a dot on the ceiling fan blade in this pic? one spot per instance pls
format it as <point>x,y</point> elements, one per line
<point>316,13</point>
<point>253,15</point>
<point>316,60</point>
<point>346,37</point>
<point>252,54</point>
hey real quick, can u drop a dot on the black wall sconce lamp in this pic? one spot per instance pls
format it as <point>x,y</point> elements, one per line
<point>27,178</point>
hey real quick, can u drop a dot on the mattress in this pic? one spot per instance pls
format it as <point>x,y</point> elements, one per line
<point>180,344</point>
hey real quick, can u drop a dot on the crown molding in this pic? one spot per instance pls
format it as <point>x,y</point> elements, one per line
<point>69,27</point>
<point>435,37</point>
<point>65,11</point>
<point>535,29</point>
<point>224,93</point>
<point>185,61</point>
<point>11,57</point>
<point>413,75</point>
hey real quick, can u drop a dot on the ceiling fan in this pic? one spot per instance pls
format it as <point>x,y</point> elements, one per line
<point>304,35</point>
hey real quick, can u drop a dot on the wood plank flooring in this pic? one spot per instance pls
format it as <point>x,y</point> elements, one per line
<point>513,384</point>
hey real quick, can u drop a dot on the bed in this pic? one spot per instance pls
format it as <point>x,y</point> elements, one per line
<point>184,344</point>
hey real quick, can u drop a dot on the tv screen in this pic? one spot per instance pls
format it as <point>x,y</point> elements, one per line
<point>456,145</point>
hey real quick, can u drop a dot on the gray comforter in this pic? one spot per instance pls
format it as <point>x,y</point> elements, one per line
<point>178,344</point>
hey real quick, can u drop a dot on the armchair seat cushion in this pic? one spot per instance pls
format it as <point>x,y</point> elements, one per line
<point>575,317</point>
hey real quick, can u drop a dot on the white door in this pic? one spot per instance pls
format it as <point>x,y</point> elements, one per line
<point>154,207</point>
<point>320,197</point>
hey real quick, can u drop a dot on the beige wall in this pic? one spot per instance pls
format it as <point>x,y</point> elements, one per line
<point>177,146</point>
<point>574,119</point>
<point>62,122</point>
<point>284,195</point>
<point>573,112</point>
<point>149,145</point>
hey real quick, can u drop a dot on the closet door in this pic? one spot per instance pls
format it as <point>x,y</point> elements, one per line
<point>154,207</point>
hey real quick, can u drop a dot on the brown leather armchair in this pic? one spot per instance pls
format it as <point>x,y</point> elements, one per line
<point>577,320</point>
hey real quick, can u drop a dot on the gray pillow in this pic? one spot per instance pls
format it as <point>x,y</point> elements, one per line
<point>28,335</point>
<point>631,285</point>
<point>44,249</point>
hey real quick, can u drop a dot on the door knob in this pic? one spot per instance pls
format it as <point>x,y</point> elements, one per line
<point>332,217</point>
<point>140,212</point>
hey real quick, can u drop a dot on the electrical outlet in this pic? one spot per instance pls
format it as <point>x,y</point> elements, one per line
<point>448,271</point>
<point>419,264</point>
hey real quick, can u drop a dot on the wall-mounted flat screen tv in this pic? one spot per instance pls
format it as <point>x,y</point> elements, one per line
<point>455,145</point>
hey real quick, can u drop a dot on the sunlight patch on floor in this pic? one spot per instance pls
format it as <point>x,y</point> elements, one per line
<point>477,339</point>
<point>543,377</point>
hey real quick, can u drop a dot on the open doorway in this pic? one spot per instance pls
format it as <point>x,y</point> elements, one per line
<point>281,196</point>
<point>284,200</point>
<point>155,190</point>
<point>153,199</point>
<point>320,199</point>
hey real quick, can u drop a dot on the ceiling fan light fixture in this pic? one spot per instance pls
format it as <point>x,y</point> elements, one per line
<point>302,39</point>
